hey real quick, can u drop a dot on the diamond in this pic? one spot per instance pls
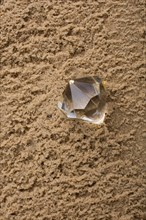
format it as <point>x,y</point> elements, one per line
<point>85,99</point>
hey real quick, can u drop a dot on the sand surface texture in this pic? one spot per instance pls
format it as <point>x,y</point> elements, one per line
<point>52,168</point>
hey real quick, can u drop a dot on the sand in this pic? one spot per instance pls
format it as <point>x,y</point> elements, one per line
<point>56,169</point>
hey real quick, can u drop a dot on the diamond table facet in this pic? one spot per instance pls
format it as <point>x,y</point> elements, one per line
<point>85,99</point>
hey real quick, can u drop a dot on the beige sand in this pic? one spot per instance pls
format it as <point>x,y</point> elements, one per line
<point>52,168</point>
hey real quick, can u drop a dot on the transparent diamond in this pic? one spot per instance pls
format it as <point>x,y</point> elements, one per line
<point>84,99</point>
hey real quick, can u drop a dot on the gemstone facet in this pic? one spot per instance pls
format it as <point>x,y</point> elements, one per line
<point>85,99</point>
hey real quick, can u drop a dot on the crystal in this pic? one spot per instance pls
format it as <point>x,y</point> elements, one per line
<point>85,99</point>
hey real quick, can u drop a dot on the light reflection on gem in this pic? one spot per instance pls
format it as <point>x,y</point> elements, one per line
<point>85,99</point>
